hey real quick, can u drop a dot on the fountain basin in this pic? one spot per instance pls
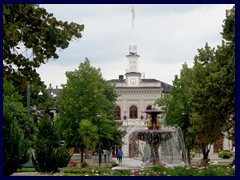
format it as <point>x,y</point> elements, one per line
<point>153,136</point>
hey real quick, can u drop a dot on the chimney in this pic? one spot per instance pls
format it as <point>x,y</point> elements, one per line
<point>120,77</point>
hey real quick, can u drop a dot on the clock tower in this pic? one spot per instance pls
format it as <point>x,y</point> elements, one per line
<point>133,77</point>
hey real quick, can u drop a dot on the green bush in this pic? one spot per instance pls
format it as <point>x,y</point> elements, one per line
<point>121,173</point>
<point>84,164</point>
<point>18,130</point>
<point>67,171</point>
<point>63,157</point>
<point>50,155</point>
<point>114,164</point>
<point>193,154</point>
<point>188,171</point>
<point>13,140</point>
<point>225,154</point>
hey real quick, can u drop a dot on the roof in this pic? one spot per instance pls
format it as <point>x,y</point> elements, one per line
<point>166,87</point>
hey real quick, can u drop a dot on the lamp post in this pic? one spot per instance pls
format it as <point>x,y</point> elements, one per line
<point>50,110</point>
<point>185,117</point>
<point>99,140</point>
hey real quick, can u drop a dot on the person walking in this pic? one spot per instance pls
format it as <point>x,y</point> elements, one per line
<point>120,155</point>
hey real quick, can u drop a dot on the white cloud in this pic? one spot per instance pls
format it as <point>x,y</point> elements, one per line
<point>166,36</point>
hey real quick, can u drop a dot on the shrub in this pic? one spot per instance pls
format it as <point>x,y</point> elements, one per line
<point>86,171</point>
<point>192,153</point>
<point>225,154</point>
<point>12,141</point>
<point>84,164</point>
<point>50,155</point>
<point>62,156</point>
<point>122,173</point>
<point>114,164</point>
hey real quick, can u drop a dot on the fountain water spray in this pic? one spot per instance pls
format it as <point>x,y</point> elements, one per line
<point>156,145</point>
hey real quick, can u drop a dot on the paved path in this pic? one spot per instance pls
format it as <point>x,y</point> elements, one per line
<point>129,162</point>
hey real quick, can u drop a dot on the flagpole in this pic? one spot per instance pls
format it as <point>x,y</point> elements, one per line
<point>133,17</point>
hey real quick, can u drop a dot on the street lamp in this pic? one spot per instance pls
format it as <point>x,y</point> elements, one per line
<point>185,126</point>
<point>99,115</point>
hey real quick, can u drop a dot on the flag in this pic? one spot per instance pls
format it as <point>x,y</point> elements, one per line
<point>133,17</point>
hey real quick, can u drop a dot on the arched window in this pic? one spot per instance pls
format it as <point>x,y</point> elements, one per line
<point>149,107</point>
<point>133,110</point>
<point>118,113</point>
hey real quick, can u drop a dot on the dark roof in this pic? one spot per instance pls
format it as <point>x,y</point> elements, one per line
<point>122,80</point>
<point>150,80</point>
<point>166,87</point>
<point>117,80</point>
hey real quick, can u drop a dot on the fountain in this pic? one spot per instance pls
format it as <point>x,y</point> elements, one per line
<point>156,145</point>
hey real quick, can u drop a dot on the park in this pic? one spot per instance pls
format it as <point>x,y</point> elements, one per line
<point>186,128</point>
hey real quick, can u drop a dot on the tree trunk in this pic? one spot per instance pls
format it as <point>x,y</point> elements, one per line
<point>82,149</point>
<point>189,155</point>
<point>86,154</point>
<point>205,160</point>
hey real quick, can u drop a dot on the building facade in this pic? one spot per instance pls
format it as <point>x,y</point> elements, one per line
<point>136,95</point>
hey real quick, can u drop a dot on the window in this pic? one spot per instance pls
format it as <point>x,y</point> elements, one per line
<point>118,113</point>
<point>149,107</point>
<point>133,112</point>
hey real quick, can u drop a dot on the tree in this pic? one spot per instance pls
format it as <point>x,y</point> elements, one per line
<point>207,92</point>
<point>177,108</point>
<point>84,96</point>
<point>89,135</point>
<point>49,154</point>
<point>13,137</point>
<point>213,93</point>
<point>18,130</point>
<point>32,36</point>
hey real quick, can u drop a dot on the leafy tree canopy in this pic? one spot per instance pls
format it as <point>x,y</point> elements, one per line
<point>207,91</point>
<point>31,36</point>
<point>84,96</point>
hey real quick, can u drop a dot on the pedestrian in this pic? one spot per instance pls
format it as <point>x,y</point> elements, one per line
<point>120,155</point>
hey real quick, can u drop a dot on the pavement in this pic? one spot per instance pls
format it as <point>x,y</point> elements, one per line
<point>126,162</point>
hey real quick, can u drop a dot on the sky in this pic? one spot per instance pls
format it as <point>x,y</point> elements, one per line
<point>166,36</point>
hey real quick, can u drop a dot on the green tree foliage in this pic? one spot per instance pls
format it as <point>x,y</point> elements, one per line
<point>18,130</point>
<point>229,26</point>
<point>84,96</point>
<point>89,134</point>
<point>49,153</point>
<point>13,137</point>
<point>213,89</point>
<point>32,36</point>
<point>177,108</point>
<point>207,92</point>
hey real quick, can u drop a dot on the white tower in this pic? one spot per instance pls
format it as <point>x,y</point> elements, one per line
<point>133,77</point>
<point>132,59</point>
